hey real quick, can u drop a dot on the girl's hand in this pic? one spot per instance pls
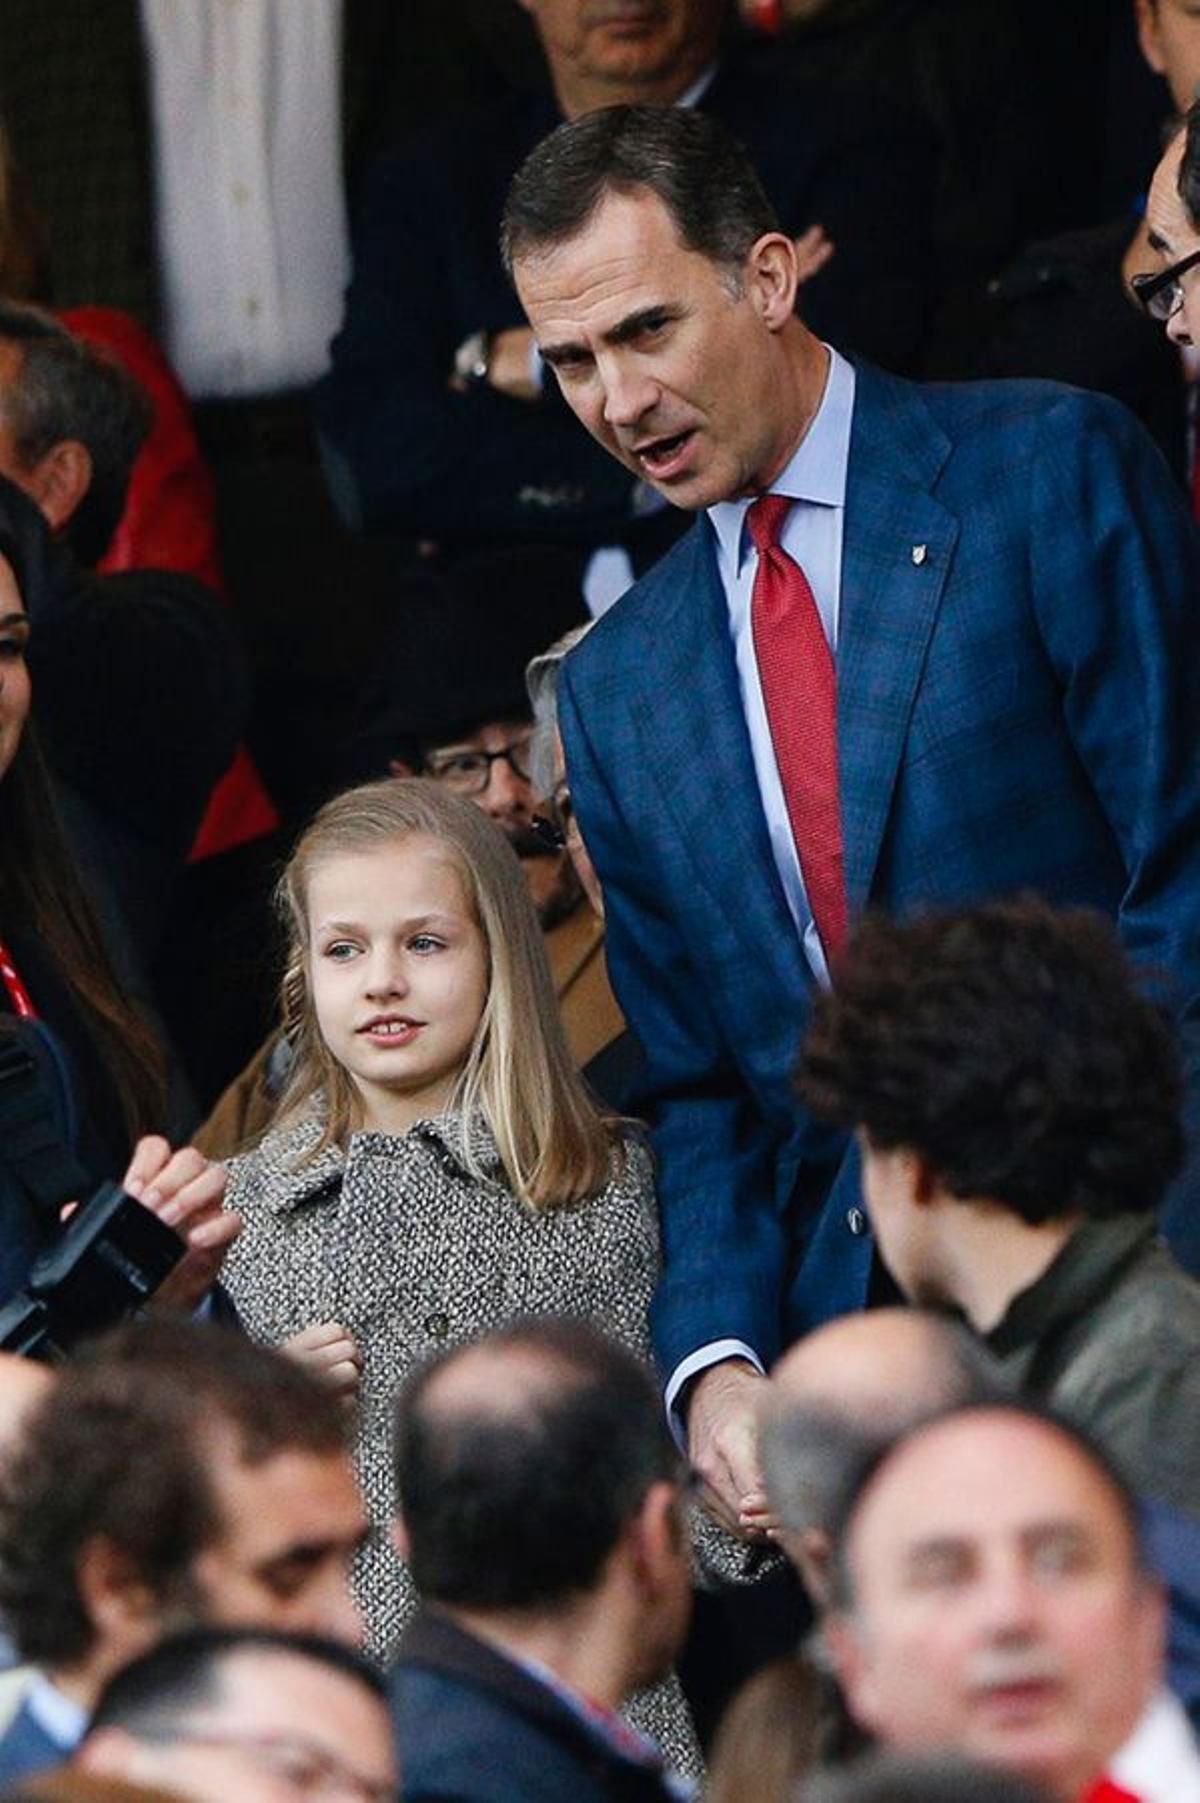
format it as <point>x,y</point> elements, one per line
<point>185,1190</point>
<point>329,1352</point>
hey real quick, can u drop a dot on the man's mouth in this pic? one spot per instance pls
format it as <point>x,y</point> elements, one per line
<point>662,458</point>
<point>1018,1699</point>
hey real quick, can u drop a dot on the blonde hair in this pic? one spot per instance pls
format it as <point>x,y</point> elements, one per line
<point>554,1143</point>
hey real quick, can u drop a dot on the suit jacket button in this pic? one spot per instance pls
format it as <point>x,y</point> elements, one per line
<point>437,1326</point>
<point>856,1221</point>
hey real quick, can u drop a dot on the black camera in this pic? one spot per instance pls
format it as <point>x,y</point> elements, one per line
<point>108,1261</point>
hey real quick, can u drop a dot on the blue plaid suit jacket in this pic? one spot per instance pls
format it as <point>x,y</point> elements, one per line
<point>1018,708</point>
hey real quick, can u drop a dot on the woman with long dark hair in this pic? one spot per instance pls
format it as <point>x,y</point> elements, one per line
<point>54,964</point>
<point>55,969</point>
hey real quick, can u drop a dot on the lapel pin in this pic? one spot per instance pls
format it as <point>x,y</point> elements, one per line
<point>918,554</point>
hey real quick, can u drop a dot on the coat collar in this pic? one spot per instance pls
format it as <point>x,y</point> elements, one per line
<point>289,1183</point>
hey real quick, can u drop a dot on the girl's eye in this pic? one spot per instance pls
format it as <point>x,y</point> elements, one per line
<point>339,950</point>
<point>425,942</point>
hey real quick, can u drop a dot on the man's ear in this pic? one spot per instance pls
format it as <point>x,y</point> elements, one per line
<point>770,277</point>
<point>121,1606</point>
<point>398,767</point>
<point>59,480</point>
<point>926,1185</point>
<point>656,1535</point>
<point>1149,37</point>
<point>843,1643</point>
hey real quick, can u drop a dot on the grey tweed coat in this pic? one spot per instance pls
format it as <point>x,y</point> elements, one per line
<point>394,1238</point>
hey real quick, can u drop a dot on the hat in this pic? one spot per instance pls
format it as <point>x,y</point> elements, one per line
<point>454,654</point>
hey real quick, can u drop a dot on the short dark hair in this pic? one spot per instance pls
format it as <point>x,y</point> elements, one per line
<point>65,388</point>
<point>121,1447</point>
<point>1010,1045</point>
<point>1188,180</point>
<point>184,1673</point>
<point>701,174</point>
<point>517,1503</point>
<point>1089,1448</point>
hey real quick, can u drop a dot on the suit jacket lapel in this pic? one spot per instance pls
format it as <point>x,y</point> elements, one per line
<point>691,705</point>
<point>897,548</point>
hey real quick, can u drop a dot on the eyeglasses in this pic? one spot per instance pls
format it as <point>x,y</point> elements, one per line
<point>470,771</point>
<point>309,1768</point>
<point>558,828</point>
<point>1160,294</point>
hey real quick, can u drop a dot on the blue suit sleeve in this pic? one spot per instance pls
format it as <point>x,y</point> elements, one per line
<point>723,1220</point>
<point>1116,589</point>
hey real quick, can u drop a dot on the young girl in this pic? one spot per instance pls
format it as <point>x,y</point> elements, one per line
<point>436,1166</point>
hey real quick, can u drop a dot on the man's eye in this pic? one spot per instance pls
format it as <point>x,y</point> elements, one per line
<point>12,651</point>
<point>464,765</point>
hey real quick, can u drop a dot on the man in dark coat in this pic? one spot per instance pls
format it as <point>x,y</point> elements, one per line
<point>542,1515</point>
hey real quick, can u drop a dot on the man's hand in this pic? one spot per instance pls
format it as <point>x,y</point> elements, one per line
<point>185,1190</point>
<point>329,1352</point>
<point>722,1421</point>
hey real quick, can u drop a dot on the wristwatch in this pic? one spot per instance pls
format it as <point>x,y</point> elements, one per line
<point>473,359</point>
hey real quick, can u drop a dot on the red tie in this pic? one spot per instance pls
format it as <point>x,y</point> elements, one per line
<point>799,685</point>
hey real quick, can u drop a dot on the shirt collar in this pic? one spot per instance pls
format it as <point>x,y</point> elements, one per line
<point>695,94</point>
<point>617,1734</point>
<point>57,1715</point>
<point>1084,1270</point>
<point>817,469</point>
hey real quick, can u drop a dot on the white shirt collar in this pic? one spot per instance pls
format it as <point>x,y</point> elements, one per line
<point>695,94</point>
<point>816,470</point>
<point>56,1714</point>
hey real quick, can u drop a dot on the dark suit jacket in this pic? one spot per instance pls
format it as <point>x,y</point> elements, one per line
<point>408,454</point>
<point>74,100</point>
<point>474,1727</point>
<point>1018,707</point>
<point>26,1748</point>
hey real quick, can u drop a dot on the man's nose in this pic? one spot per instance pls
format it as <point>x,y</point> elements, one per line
<point>506,796</point>
<point>1177,326</point>
<point>335,1612</point>
<point>1010,1601</point>
<point>629,395</point>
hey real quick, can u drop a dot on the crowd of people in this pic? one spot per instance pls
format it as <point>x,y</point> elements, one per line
<point>599,901</point>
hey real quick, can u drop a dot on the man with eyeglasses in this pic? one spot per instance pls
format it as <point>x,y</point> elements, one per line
<point>1170,294</point>
<point>266,1717</point>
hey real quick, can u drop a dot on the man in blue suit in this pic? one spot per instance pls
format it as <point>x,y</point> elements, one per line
<point>995,588</point>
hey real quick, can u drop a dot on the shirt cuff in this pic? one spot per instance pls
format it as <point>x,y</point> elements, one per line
<point>713,1354</point>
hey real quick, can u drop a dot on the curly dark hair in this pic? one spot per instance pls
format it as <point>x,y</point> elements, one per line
<point>1011,1046</point>
<point>122,1447</point>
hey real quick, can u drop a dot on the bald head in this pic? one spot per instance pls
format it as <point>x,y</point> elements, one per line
<point>992,1598</point>
<point>23,1384</point>
<point>837,1398</point>
<point>881,1370</point>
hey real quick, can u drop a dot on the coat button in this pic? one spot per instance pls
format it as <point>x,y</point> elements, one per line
<point>856,1221</point>
<point>437,1326</point>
